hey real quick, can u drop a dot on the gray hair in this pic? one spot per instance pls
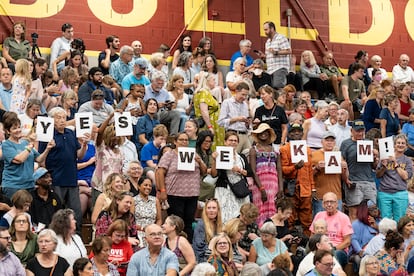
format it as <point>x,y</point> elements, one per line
<point>55,111</point>
<point>294,116</point>
<point>158,75</point>
<point>124,49</point>
<point>245,42</point>
<point>268,228</point>
<point>203,269</point>
<point>321,104</point>
<point>386,224</point>
<point>251,269</point>
<point>183,58</point>
<point>238,60</point>
<point>48,233</point>
<point>259,62</point>
<point>362,266</point>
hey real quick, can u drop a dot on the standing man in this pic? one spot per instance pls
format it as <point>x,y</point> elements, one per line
<point>166,114</point>
<point>5,88</point>
<point>401,72</point>
<point>339,227</point>
<point>123,65</point>
<point>234,115</point>
<point>352,90</point>
<point>62,162</point>
<point>360,184</point>
<point>95,76</point>
<point>10,265</point>
<point>155,259</point>
<point>61,45</point>
<point>109,55</point>
<point>326,182</point>
<point>277,51</point>
<point>303,173</point>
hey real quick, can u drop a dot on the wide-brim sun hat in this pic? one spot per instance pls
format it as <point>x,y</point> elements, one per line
<point>262,128</point>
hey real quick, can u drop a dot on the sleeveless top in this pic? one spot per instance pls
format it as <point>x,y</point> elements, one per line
<point>177,251</point>
<point>315,133</point>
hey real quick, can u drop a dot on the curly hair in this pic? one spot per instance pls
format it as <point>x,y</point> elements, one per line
<point>61,223</point>
<point>393,239</point>
<point>107,187</point>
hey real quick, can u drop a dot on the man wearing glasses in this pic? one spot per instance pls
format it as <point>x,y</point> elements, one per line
<point>339,226</point>
<point>9,264</point>
<point>323,261</point>
<point>155,259</point>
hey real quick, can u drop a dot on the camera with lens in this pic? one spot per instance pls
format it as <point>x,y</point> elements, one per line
<point>35,36</point>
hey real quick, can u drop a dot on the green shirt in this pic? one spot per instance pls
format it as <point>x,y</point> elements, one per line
<point>17,50</point>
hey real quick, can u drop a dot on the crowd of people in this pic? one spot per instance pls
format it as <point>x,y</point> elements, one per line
<point>307,190</point>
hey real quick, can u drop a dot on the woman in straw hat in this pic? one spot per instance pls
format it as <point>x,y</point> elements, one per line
<point>265,162</point>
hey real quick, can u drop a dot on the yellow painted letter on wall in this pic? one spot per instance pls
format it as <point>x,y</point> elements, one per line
<point>270,11</point>
<point>43,8</point>
<point>195,15</point>
<point>380,30</point>
<point>142,12</point>
<point>408,17</point>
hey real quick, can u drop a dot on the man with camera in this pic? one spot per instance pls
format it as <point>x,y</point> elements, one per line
<point>166,108</point>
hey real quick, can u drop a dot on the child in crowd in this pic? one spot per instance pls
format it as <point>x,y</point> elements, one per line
<point>321,227</point>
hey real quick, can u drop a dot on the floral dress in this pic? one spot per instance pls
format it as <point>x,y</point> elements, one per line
<point>18,98</point>
<point>267,172</point>
<point>145,214</point>
<point>204,96</point>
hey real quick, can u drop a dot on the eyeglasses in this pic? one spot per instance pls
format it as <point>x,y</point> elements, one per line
<point>212,199</point>
<point>328,264</point>
<point>21,221</point>
<point>153,235</point>
<point>372,263</point>
<point>329,202</point>
<point>241,64</point>
<point>9,238</point>
<point>222,243</point>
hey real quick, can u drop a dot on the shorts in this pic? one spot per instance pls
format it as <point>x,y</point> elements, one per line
<point>363,190</point>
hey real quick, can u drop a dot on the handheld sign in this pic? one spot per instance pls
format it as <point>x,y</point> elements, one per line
<point>386,147</point>
<point>186,159</point>
<point>84,123</point>
<point>298,151</point>
<point>123,124</point>
<point>365,151</point>
<point>225,158</point>
<point>44,129</point>
<point>333,162</point>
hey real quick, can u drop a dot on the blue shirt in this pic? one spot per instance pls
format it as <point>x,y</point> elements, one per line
<point>236,55</point>
<point>393,123</point>
<point>372,111</point>
<point>149,152</point>
<point>62,159</point>
<point>162,96</point>
<point>87,172</point>
<point>5,96</point>
<point>145,126</point>
<point>140,264</point>
<point>18,176</point>
<point>132,79</point>
<point>119,69</point>
<point>408,129</point>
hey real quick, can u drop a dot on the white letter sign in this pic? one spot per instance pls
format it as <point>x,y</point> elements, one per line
<point>364,151</point>
<point>225,158</point>
<point>44,129</point>
<point>298,151</point>
<point>333,162</point>
<point>123,124</point>
<point>186,159</point>
<point>84,123</point>
<point>386,147</point>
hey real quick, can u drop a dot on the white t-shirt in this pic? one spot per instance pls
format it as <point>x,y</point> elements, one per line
<point>75,249</point>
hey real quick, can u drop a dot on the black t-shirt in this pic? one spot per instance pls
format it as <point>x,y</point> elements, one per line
<point>101,57</point>
<point>34,266</point>
<point>274,117</point>
<point>258,82</point>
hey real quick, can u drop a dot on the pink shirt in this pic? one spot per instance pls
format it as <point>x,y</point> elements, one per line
<point>339,226</point>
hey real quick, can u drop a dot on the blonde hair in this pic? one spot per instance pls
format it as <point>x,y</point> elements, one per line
<point>22,72</point>
<point>312,60</point>
<point>107,187</point>
<point>233,226</point>
<point>212,227</point>
<point>214,242</point>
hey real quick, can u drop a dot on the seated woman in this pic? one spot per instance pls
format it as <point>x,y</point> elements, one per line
<point>82,267</point>
<point>176,241</point>
<point>69,244</point>
<point>21,201</point>
<point>24,242</point>
<point>121,249</point>
<point>222,255</point>
<point>114,183</point>
<point>147,208</point>
<point>234,229</point>
<point>101,246</point>
<point>369,266</point>
<point>175,88</point>
<point>312,77</point>
<point>265,248</point>
<point>391,256</point>
<point>206,228</point>
<point>248,215</point>
<point>118,209</point>
<point>47,262</point>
